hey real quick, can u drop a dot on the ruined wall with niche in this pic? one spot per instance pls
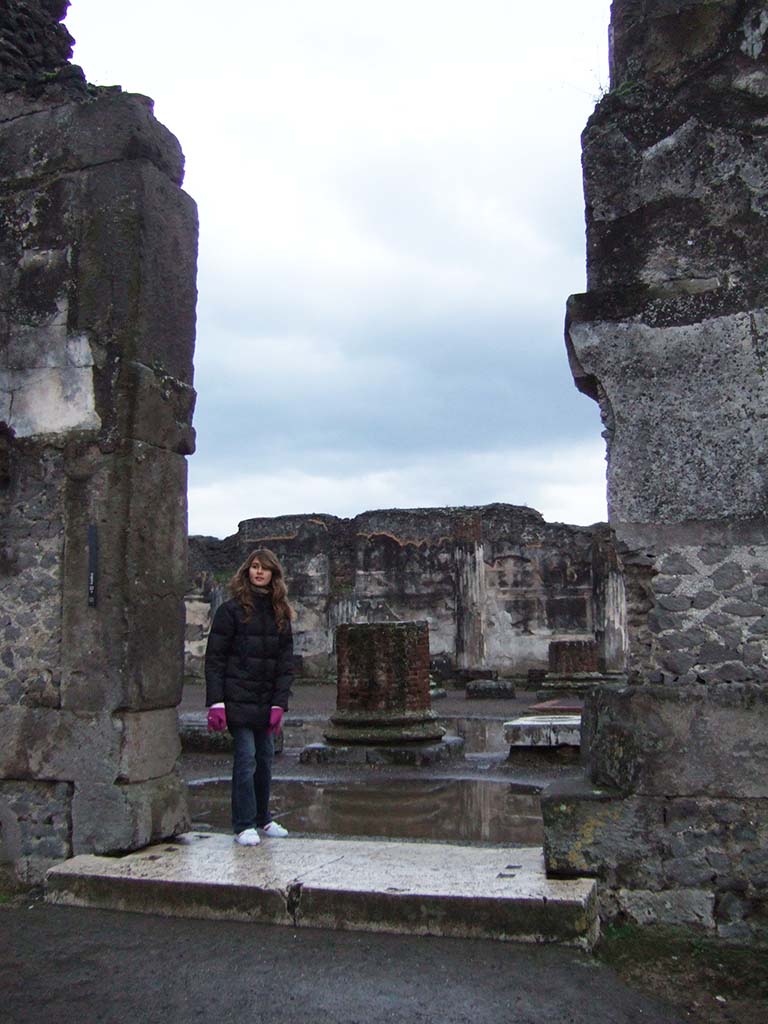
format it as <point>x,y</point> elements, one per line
<point>496,583</point>
<point>97,320</point>
<point>671,339</point>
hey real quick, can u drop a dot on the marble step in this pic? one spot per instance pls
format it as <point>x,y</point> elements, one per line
<point>411,888</point>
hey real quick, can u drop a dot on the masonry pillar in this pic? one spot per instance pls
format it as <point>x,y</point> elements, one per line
<point>610,606</point>
<point>470,595</point>
<point>383,685</point>
<point>97,264</point>
<point>671,339</point>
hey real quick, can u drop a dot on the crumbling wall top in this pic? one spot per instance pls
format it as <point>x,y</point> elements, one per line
<point>35,47</point>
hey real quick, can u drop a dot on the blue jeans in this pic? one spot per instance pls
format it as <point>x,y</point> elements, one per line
<point>254,750</point>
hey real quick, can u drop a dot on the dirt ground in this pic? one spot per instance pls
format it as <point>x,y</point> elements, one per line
<point>707,981</point>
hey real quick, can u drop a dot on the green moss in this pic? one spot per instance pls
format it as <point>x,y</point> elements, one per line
<point>626,88</point>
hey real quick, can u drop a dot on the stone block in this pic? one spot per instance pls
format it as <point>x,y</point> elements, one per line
<point>690,482</point>
<point>45,743</point>
<point>655,844</point>
<point>417,754</point>
<point>693,908</point>
<point>156,408</point>
<point>594,832</point>
<point>150,744</point>
<point>117,818</point>
<point>111,128</point>
<point>679,741</point>
<point>544,731</point>
<point>489,689</point>
<point>136,270</point>
<point>127,652</point>
<point>741,919</point>
<point>34,828</point>
<point>728,576</point>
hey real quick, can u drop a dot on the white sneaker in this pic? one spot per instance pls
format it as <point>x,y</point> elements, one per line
<point>250,837</point>
<point>274,831</point>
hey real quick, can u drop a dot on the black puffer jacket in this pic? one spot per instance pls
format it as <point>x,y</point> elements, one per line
<point>248,664</point>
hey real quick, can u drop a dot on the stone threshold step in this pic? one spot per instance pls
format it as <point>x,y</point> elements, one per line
<point>400,887</point>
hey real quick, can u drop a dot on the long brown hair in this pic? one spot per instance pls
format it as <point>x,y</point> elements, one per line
<point>242,591</point>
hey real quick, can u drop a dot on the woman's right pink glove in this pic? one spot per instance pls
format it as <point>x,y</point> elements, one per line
<point>217,718</point>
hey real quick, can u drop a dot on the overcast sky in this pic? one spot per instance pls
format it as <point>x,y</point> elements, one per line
<point>391,220</point>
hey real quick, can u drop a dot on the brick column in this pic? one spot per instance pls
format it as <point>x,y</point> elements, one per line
<point>383,685</point>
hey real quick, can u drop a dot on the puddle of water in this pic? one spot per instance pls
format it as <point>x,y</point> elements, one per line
<point>470,810</point>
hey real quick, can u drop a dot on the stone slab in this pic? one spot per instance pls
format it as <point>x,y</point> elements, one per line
<point>399,887</point>
<point>557,706</point>
<point>544,731</point>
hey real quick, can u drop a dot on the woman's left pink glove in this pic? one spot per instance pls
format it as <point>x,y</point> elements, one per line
<point>217,719</point>
<point>275,721</point>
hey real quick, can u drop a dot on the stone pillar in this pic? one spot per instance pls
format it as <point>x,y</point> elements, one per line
<point>383,685</point>
<point>610,607</point>
<point>470,594</point>
<point>672,340</point>
<point>97,262</point>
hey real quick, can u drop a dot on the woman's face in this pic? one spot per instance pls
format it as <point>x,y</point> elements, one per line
<point>259,575</point>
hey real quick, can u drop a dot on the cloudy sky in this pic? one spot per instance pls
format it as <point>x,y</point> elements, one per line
<point>391,220</point>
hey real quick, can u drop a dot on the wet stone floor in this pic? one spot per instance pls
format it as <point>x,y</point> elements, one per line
<point>480,799</point>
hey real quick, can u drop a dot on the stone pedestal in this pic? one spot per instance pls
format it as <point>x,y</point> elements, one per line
<point>575,666</point>
<point>383,688</point>
<point>383,705</point>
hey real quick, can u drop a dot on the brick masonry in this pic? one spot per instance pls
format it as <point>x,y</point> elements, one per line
<point>383,667</point>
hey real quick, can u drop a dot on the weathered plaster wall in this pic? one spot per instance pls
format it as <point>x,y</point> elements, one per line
<point>97,278</point>
<point>496,584</point>
<point>671,340</point>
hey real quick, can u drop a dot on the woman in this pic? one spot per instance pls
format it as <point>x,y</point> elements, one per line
<point>248,676</point>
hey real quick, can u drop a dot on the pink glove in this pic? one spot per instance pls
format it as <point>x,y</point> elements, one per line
<point>217,719</point>
<point>275,721</point>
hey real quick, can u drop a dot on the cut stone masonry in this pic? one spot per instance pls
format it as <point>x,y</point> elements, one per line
<point>670,340</point>
<point>97,317</point>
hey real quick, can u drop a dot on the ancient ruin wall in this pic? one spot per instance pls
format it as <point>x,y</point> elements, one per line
<point>97,265</point>
<point>497,583</point>
<point>672,339</point>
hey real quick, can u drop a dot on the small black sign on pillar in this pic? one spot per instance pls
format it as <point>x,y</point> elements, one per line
<point>93,558</point>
